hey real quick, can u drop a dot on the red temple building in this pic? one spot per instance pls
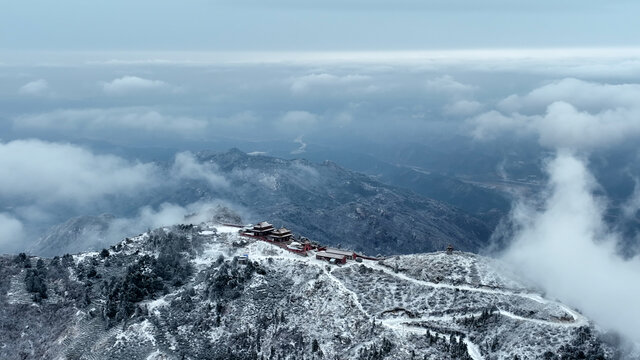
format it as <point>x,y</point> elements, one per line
<point>332,258</point>
<point>280,235</point>
<point>262,229</point>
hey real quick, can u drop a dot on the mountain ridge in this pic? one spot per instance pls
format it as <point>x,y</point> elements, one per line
<point>182,292</point>
<point>326,202</point>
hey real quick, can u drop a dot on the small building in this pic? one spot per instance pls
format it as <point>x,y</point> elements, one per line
<point>348,254</point>
<point>306,245</point>
<point>280,235</point>
<point>332,258</point>
<point>297,247</point>
<point>303,244</point>
<point>244,259</point>
<point>262,229</point>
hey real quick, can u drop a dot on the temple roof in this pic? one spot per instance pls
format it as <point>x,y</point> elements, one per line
<point>340,252</point>
<point>262,225</point>
<point>330,255</point>
<point>281,231</point>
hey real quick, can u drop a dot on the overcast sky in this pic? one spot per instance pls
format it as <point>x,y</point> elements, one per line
<point>315,24</point>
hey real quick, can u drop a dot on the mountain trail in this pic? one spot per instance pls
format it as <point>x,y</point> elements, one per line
<point>578,319</point>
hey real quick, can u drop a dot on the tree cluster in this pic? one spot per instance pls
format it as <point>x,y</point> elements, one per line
<point>149,276</point>
<point>376,352</point>
<point>227,280</point>
<point>583,346</point>
<point>140,282</point>
<point>35,281</point>
<point>487,316</point>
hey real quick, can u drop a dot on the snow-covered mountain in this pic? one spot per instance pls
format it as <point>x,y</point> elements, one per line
<point>183,292</point>
<point>324,201</point>
<point>81,232</point>
<point>334,205</point>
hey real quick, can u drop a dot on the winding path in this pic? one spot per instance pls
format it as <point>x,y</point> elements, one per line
<point>404,327</point>
<point>578,319</point>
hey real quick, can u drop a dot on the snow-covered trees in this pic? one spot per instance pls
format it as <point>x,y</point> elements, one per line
<point>35,282</point>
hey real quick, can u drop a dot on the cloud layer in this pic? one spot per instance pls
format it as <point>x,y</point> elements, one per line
<point>612,119</point>
<point>44,172</point>
<point>35,87</point>
<point>565,245</point>
<point>109,122</point>
<point>132,84</point>
<point>559,237</point>
<point>45,183</point>
<point>11,233</point>
<point>186,166</point>
<point>311,83</point>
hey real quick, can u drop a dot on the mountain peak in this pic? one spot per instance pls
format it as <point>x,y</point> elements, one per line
<point>205,291</point>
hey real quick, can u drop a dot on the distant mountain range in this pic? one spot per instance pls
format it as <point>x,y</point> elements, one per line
<point>77,234</point>
<point>326,202</point>
<point>337,206</point>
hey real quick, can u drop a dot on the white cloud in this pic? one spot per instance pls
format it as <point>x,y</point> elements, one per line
<point>561,239</point>
<point>11,232</point>
<point>566,246</point>
<point>563,126</point>
<point>448,84</point>
<point>302,148</point>
<point>35,87</point>
<point>582,94</point>
<point>41,180</point>
<point>297,121</point>
<point>132,84</point>
<point>493,124</point>
<point>307,83</point>
<point>44,172</point>
<point>604,62</point>
<point>166,214</point>
<point>99,121</point>
<point>462,108</point>
<point>632,205</point>
<point>186,166</point>
<point>147,217</point>
<point>604,115</point>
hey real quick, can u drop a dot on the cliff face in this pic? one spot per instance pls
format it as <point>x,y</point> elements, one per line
<point>180,292</point>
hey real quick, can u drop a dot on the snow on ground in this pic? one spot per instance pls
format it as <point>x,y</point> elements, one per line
<point>154,305</point>
<point>156,355</point>
<point>457,268</point>
<point>474,350</point>
<point>227,229</point>
<point>356,304</point>
<point>17,293</point>
<point>78,258</point>
<point>578,319</point>
<point>416,277</point>
<point>260,250</point>
<point>211,252</point>
<point>136,333</point>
